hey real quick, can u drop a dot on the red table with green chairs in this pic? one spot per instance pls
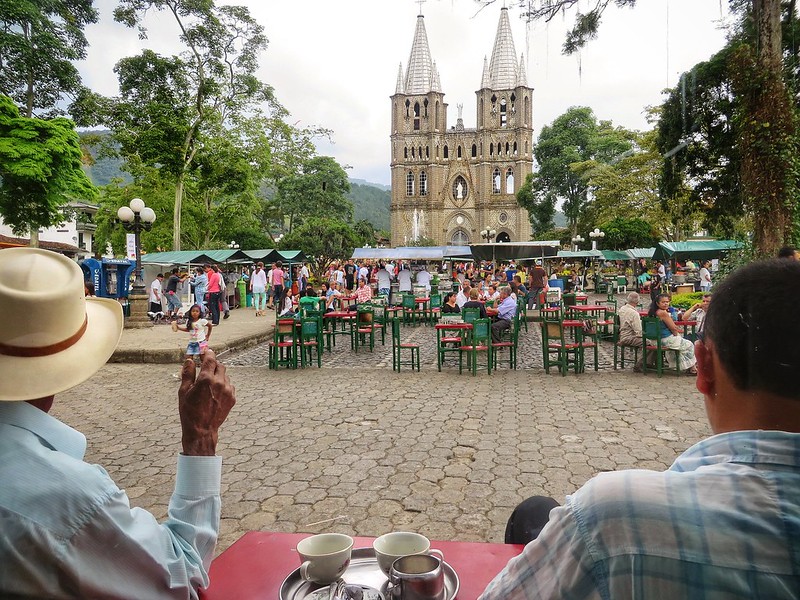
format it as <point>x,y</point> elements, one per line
<point>442,339</point>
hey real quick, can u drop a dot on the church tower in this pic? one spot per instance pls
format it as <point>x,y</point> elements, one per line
<point>449,184</point>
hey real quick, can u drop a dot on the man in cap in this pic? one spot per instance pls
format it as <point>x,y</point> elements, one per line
<point>66,529</point>
<point>723,520</point>
<point>537,283</point>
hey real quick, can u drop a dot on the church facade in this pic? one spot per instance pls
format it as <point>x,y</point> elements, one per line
<point>450,183</point>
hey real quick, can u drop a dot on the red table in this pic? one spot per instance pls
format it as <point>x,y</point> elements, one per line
<point>258,562</point>
<point>336,318</point>
<point>442,339</point>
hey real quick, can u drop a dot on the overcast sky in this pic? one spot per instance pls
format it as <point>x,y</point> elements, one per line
<point>334,63</point>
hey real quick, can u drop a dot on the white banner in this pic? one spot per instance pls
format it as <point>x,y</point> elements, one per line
<point>131,238</point>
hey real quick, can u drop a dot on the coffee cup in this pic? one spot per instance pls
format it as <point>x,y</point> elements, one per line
<point>417,577</point>
<point>324,557</point>
<point>391,546</point>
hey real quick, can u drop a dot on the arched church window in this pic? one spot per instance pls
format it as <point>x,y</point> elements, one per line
<point>503,115</point>
<point>405,152</point>
<point>413,150</point>
<point>515,148</point>
<point>508,147</point>
<point>408,107</point>
<point>458,152</point>
<point>491,149</point>
<point>445,152</point>
<point>436,116</point>
<point>416,115</point>
<point>510,181</point>
<point>427,151</point>
<point>419,153</point>
<point>423,184</point>
<point>425,104</point>
<point>459,238</point>
<point>503,237</point>
<point>409,183</point>
<point>496,181</point>
<point>474,151</point>
<point>527,112</point>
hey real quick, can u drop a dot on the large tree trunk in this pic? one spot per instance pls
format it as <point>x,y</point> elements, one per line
<point>768,136</point>
<point>34,243</point>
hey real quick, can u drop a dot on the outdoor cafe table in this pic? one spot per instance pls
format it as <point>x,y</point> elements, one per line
<point>440,328</point>
<point>597,310</point>
<point>337,318</point>
<point>686,325</point>
<point>258,562</point>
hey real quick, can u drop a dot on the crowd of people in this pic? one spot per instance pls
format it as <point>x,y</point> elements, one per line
<point>721,522</point>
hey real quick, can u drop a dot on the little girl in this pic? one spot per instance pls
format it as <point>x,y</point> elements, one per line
<point>199,331</point>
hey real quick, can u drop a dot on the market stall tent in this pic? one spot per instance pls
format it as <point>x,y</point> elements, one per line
<point>696,249</point>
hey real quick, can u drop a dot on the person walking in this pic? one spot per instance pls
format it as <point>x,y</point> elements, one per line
<point>258,287</point>
<point>215,288</point>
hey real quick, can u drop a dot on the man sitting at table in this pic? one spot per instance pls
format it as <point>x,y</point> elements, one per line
<point>363,294</point>
<point>330,297</point>
<point>503,314</point>
<point>463,295</point>
<point>630,327</point>
<point>722,522</point>
<point>697,313</point>
<point>68,530</point>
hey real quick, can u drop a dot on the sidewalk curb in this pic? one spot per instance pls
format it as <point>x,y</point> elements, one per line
<point>176,355</point>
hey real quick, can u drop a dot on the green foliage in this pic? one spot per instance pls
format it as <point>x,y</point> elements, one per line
<point>541,208</point>
<point>39,40</point>
<point>318,191</point>
<point>685,301</point>
<point>574,137</point>
<point>422,241</point>
<point>40,169</point>
<point>629,233</point>
<point>737,258</point>
<point>371,204</point>
<point>365,232</point>
<point>323,240</point>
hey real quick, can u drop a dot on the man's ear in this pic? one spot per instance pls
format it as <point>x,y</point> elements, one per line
<point>706,377</point>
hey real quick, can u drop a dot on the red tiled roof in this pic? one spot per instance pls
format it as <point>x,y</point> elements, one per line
<point>12,242</point>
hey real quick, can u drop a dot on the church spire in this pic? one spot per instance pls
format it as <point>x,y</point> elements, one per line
<point>420,74</point>
<point>522,77</point>
<point>485,76</point>
<point>400,89</point>
<point>503,66</point>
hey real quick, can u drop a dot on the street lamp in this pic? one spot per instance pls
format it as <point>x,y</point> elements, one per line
<point>596,235</point>
<point>577,240</point>
<point>489,234</point>
<point>137,217</point>
<point>233,245</point>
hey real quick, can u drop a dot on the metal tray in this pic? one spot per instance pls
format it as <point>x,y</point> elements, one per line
<point>364,571</point>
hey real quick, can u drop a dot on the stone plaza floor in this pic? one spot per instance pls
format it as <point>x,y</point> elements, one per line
<point>356,448</point>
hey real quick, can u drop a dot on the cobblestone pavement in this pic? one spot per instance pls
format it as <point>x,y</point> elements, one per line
<point>356,448</point>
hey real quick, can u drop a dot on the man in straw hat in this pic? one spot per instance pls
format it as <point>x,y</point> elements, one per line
<point>722,522</point>
<point>66,529</point>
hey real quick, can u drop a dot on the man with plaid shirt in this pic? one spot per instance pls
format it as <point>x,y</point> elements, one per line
<point>724,520</point>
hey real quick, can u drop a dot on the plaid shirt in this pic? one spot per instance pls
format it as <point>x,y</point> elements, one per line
<point>723,522</point>
<point>363,294</point>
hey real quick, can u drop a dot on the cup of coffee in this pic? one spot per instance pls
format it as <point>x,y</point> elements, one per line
<point>324,557</point>
<point>391,546</point>
<point>417,577</point>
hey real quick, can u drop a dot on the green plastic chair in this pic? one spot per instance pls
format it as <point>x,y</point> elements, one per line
<point>619,349</point>
<point>481,341</point>
<point>651,342</point>
<point>283,347</point>
<point>409,305</point>
<point>435,308</point>
<point>398,347</point>
<point>310,332</point>
<point>364,325</point>
<point>554,343</point>
<point>510,344</point>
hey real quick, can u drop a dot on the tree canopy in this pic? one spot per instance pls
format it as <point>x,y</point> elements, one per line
<point>40,169</point>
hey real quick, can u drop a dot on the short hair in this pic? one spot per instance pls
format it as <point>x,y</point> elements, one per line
<point>787,252</point>
<point>160,275</point>
<point>633,298</point>
<point>754,334</point>
<point>175,271</point>
<point>279,264</point>
<point>310,292</point>
<point>505,290</point>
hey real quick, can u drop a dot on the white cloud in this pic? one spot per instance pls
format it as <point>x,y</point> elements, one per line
<point>333,63</point>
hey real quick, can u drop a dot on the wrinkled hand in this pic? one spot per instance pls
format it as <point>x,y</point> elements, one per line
<point>204,401</point>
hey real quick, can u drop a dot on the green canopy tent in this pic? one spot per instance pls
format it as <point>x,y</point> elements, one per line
<point>617,255</point>
<point>696,249</point>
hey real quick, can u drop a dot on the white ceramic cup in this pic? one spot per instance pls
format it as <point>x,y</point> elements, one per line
<point>324,557</point>
<point>391,546</point>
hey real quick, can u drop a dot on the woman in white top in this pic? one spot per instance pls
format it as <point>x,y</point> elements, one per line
<point>705,277</point>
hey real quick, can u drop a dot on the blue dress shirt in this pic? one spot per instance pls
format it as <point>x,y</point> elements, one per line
<point>68,531</point>
<point>507,309</point>
<point>722,523</point>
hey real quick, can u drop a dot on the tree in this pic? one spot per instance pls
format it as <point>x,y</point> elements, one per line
<point>319,190</point>
<point>40,170</point>
<point>323,240</point>
<point>213,82</point>
<point>574,137</point>
<point>629,233</point>
<point>767,135</point>
<point>541,207</point>
<point>365,231</point>
<point>39,40</point>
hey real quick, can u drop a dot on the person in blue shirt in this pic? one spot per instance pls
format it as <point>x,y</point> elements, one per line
<point>67,530</point>
<point>503,314</point>
<point>722,522</point>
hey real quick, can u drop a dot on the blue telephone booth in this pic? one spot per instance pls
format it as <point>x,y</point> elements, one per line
<point>110,277</point>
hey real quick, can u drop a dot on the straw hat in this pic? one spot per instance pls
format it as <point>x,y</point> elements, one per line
<point>51,336</point>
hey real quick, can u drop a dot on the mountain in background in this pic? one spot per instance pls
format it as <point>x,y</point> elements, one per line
<point>370,202</point>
